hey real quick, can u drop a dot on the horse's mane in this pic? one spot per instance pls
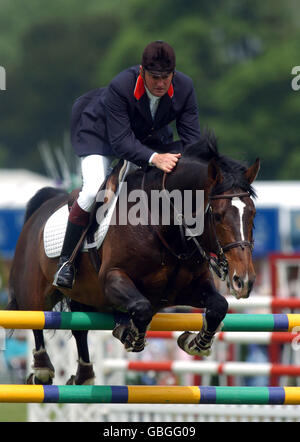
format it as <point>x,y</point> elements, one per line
<point>206,149</point>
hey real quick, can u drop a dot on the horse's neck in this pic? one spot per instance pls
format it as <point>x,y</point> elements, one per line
<point>182,184</point>
<point>186,175</point>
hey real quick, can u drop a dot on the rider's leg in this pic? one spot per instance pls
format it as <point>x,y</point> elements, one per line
<point>94,169</point>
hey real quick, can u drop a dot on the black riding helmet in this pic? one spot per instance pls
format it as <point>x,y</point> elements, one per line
<point>159,57</point>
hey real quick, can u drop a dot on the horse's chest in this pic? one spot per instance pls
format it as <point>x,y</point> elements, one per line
<point>168,279</point>
<point>157,280</point>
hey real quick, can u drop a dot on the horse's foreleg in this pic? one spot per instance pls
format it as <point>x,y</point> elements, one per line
<point>43,370</point>
<point>85,374</point>
<point>216,308</point>
<point>125,297</point>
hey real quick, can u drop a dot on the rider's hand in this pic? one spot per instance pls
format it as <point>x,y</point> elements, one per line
<point>165,161</point>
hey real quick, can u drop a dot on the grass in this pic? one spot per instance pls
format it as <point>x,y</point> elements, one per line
<point>13,412</point>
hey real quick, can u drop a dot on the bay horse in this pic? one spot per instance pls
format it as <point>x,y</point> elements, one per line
<point>146,268</point>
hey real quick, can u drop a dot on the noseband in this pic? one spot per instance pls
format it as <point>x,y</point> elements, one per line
<point>218,264</point>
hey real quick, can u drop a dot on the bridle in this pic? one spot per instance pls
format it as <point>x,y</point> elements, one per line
<point>229,196</point>
<point>220,264</point>
<point>217,263</point>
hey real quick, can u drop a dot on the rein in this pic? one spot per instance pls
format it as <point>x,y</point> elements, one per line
<point>180,256</point>
<point>218,264</point>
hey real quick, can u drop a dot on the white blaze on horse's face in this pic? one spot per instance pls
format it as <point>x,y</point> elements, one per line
<point>240,205</point>
<point>238,285</point>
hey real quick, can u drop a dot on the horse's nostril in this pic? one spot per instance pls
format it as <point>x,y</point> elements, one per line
<point>239,282</point>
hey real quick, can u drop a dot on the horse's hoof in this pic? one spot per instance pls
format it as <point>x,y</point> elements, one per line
<point>187,343</point>
<point>34,380</point>
<point>120,332</point>
<point>71,381</point>
<point>184,339</point>
<point>84,376</point>
<point>135,347</point>
<point>29,380</point>
<point>135,342</point>
<point>131,338</point>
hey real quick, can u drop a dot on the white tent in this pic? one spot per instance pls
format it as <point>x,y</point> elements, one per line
<point>17,186</point>
<point>281,194</point>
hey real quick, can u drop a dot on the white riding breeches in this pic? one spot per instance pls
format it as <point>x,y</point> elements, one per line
<point>94,169</point>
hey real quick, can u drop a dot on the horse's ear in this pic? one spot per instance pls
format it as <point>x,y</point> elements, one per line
<point>214,174</point>
<point>253,170</point>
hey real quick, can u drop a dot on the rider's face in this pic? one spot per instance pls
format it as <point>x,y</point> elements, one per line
<point>158,85</point>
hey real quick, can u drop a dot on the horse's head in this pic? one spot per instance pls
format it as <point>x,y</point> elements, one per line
<point>230,215</point>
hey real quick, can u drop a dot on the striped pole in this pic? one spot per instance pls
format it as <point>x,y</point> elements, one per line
<point>203,367</point>
<point>263,338</point>
<point>149,394</point>
<point>268,302</point>
<point>161,322</point>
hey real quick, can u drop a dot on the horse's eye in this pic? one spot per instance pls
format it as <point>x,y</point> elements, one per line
<point>218,217</point>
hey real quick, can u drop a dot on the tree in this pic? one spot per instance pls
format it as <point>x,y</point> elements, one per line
<point>58,65</point>
<point>238,53</point>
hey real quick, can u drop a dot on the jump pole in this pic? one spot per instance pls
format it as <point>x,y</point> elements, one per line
<point>263,338</point>
<point>16,319</point>
<point>203,367</point>
<point>149,394</point>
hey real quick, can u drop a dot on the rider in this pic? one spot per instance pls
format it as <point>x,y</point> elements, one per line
<point>128,119</point>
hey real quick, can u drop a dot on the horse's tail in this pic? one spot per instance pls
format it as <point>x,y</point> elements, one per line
<point>12,303</point>
<point>39,198</point>
<point>33,204</point>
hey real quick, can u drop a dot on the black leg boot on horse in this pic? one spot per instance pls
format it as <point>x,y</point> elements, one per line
<point>77,222</point>
<point>200,344</point>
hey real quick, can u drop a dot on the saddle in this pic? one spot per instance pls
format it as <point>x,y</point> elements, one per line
<point>110,185</point>
<point>94,234</point>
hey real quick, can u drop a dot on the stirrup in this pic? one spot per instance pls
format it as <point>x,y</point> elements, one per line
<point>67,280</point>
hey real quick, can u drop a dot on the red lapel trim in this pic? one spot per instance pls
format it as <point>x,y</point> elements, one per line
<point>139,89</point>
<point>171,91</point>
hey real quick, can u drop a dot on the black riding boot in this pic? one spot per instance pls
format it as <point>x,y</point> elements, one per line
<point>65,276</point>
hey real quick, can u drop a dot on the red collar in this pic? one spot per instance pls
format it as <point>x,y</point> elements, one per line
<point>139,89</point>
